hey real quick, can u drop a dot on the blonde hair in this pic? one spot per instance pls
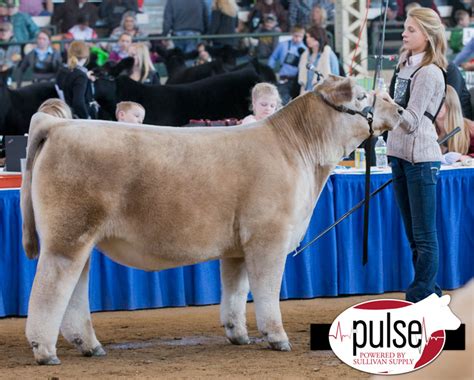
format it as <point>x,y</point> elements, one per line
<point>261,89</point>
<point>127,106</point>
<point>454,118</point>
<point>228,7</point>
<point>324,16</point>
<point>77,50</point>
<point>433,29</point>
<point>56,107</point>
<point>144,60</point>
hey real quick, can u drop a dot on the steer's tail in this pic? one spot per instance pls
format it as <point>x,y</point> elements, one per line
<point>39,130</point>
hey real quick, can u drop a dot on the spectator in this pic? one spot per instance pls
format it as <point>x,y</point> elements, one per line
<point>36,7</point>
<point>266,45</point>
<point>75,83</point>
<point>143,70</point>
<point>128,25</point>
<point>203,55</point>
<point>464,5</point>
<point>66,15</point>
<point>56,107</point>
<point>403,4</point>
<point>82,30</point>
<point>300,11</point>
<point>320,56</point>
<point>9,55</point>
<point>43,59</point>
<point>24,28</point>
<point>130,112</point>
<point>465,55</point>
<point>224,21</point>
<point>265,101</point>
<point>185,18</point>
<point>287,54</point>
<point>121,50</point>
<point>267,7</point>
<point>450,117</point>
<point>319,16</point>
<point>455,79</point>
<point>112,11</point>
<point>462,21</point>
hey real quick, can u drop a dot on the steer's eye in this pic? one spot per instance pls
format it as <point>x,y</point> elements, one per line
<point>361,96</point>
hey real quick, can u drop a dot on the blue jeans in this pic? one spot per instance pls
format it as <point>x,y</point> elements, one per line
<point>415,191</point>
<point>187,45</point>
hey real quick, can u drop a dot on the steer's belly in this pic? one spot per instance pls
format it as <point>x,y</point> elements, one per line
<point>151,258</point>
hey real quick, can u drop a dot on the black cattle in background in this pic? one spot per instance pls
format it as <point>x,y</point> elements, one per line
<point>218,97</point>
<point>18,105</point>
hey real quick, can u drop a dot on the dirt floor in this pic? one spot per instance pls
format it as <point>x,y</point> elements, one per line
<point>186,343</point>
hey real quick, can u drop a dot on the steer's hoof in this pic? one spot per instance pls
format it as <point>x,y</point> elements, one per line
<point>240,340</point>
<point>280,346</point>
<point>98,351</point>
<point>52,360</point>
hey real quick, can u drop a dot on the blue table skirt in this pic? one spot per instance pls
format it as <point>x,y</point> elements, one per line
<point>331,267</point>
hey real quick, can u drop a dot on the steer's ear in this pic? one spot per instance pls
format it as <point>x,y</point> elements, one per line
<point>336,90</point>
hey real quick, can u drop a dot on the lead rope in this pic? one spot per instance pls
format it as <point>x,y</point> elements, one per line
<point>358,205</point>
<point>368,145</point>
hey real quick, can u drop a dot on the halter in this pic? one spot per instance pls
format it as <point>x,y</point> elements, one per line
<point>367,113</point>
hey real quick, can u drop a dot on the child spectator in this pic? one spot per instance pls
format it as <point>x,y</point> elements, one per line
<point>266,45</point>
<point>43,59</point>
<point>9,55</point>
<point>81,31</point>
<point>121,50</point>
<point>203,55</point>
<point>265,101</point>
<point>287,55</point>
<point>130,112</point>
<point>24,28</point>
<point>462,21</point>
<point>56,107</point>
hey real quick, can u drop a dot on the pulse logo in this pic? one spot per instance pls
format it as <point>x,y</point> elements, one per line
<point>392,336</point>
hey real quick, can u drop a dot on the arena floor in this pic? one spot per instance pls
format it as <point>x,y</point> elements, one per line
<point>186,343</point>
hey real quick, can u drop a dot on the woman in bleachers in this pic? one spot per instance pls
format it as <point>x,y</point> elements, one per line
<point>450,117</point>
<point>121,51</point>
<point>43,59</point>
<point>320,56</point>
<point>127,25</point>
<point>143,70</point>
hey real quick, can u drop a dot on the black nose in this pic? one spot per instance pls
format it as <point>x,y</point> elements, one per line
<point>400,110</point>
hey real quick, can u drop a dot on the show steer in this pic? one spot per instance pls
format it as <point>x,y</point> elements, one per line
<point>160,197</point>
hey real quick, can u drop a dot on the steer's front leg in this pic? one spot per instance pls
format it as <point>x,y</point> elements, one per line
<point>265,267</point>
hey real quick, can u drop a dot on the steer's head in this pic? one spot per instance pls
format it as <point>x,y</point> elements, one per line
<point>345,93</point>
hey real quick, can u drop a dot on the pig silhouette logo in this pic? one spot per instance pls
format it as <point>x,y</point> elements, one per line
<point>391,336</point>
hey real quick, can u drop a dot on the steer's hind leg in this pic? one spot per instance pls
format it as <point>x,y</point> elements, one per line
<point>235,289</point>
<point>76,326</point>
<point>265,269</point>
<point>56,277</point>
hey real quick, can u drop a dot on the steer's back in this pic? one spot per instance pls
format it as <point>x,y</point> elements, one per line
<point>156,197</point>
